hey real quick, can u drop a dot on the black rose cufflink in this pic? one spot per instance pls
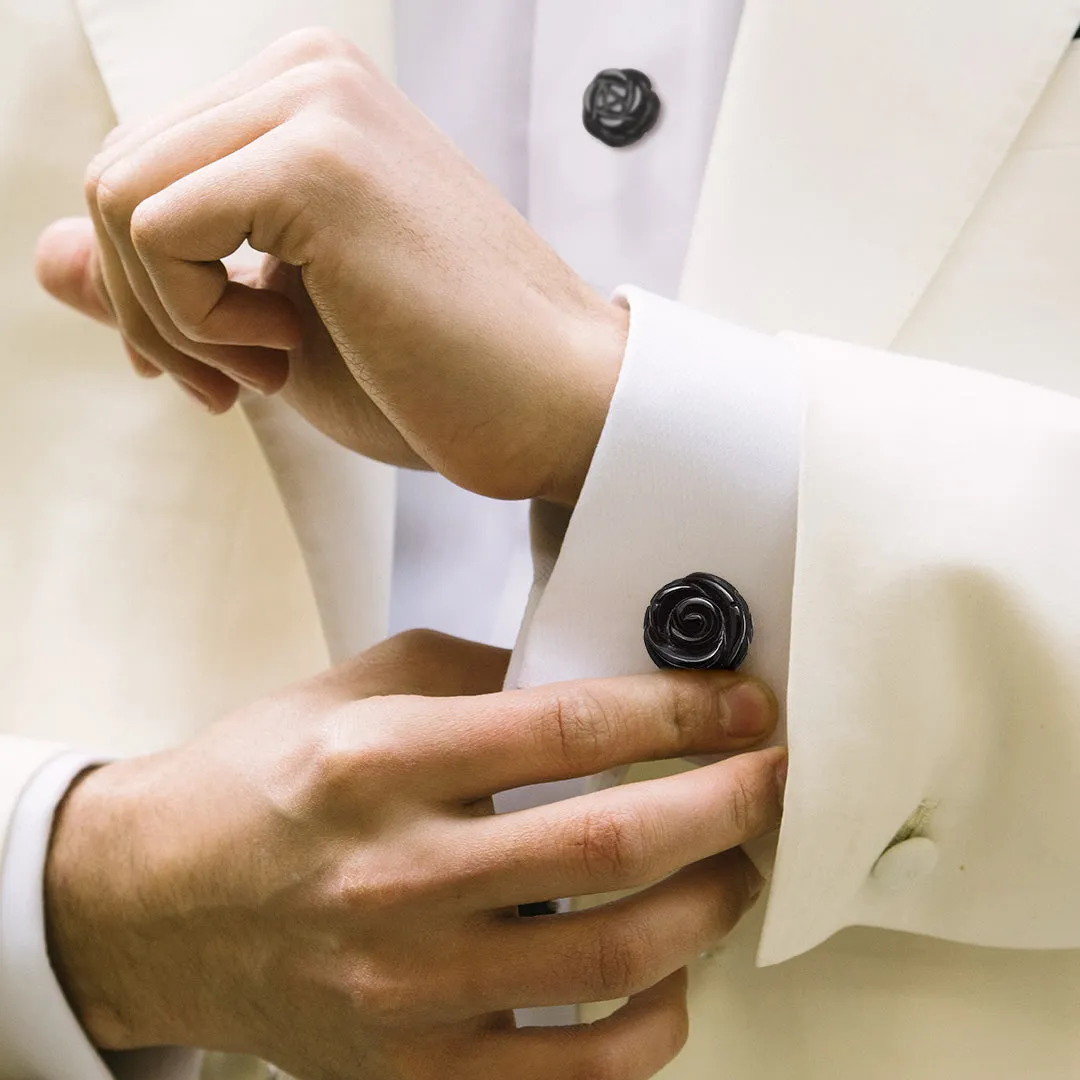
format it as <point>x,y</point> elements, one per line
<point>620,106</point>
<point>698,621</point>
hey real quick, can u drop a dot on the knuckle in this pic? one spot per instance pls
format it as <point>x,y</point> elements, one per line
<point>324,777</point>
<point>383,997</point>
<point>606,1055</point>
<point>613,846</point>
<point>683,709</point>
<point>345,758</point>
<point>577,726</point>
<point>622,962</point>
<point>742,804</point>
<point>317,140</point>
<point>92,178</point>
<point>355,890</point>
<point>383,890</point>
<point>325,86</point>
<point>393,993</point>
<point>338,773</point>
<point>321,43</point>
<point>113,194</point>
<point>193,331</point>
<point>342,78</point>
<point>101,164</point>
<point>146,224</point>
<point>602,1060</point>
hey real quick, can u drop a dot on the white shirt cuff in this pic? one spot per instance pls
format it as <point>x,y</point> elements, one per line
<point>38,1030</point>
<point>697,469</point>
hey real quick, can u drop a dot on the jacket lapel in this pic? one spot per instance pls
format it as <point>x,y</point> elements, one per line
<point>854,140</point>
<point>152,51</point>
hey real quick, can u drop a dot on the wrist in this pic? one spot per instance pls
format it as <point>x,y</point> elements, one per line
<point>90,898</point>
<point>600,344</point>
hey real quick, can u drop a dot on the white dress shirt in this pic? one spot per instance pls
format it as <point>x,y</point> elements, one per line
<point>462,562</point>
<point>505,81</point>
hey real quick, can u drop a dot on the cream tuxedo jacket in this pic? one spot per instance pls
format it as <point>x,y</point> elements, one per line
<point>888,182</point>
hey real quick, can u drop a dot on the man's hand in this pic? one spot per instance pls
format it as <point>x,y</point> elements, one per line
<point>406,307</point>
<point>319,880</point>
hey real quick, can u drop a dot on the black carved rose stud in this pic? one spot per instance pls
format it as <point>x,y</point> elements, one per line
<point>620,106</point>
<point>699,621</point>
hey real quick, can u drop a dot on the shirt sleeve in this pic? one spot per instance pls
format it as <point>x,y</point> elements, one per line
<point>905,533</point>
<point>38,1031</point>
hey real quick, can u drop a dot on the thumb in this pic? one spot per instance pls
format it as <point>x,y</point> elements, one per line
<point>420,662</point>
<point>68,266</point>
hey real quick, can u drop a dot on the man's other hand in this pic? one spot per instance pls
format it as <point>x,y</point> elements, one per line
<point>405,307</point>
<point>319,879</point>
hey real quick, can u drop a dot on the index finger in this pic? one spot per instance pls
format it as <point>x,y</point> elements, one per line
<point>299,47</point>
<point>482,745</point>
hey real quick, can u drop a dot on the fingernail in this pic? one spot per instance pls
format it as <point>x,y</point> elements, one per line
<point>143,368</point>
<point>781,778</point>
<point>252,384</point>
<point>266,374</point>
<point>197,395</point>
<point>747,712</point>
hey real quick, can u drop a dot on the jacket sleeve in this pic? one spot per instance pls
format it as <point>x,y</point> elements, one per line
<point>912,569</point>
